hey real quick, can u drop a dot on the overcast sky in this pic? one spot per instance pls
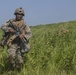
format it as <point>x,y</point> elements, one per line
<point>39,11</point>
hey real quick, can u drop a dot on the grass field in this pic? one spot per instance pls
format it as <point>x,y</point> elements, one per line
<point>53,51</point>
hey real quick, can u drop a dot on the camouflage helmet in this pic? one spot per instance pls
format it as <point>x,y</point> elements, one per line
<point>19,11</point>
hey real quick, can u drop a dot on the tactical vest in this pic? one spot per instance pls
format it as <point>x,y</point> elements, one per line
<point>21,25</point>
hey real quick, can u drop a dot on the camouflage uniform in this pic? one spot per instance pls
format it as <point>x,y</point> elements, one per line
<point>17,48</point>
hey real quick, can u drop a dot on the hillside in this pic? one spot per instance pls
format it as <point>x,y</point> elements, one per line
<point>53,51</point>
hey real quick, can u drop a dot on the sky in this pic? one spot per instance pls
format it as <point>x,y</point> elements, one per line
<point>39,11</point>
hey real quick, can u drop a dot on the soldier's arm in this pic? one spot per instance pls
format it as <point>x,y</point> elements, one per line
<point>28,32</point>
<point>5,27</point>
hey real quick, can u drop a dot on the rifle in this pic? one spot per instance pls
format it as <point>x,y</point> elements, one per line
<point>16,34</point>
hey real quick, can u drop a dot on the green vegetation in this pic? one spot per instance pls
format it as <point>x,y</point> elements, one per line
<point>53,51</point>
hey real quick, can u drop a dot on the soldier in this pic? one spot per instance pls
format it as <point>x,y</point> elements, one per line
<point>19,43</point>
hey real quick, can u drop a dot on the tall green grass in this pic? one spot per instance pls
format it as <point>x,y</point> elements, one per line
<point>53,51</point>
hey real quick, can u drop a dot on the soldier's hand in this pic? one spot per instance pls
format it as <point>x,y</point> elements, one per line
<point>21,36</point>
<point>12,30</point>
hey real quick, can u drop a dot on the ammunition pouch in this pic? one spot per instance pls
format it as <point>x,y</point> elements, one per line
<point>9,42</point>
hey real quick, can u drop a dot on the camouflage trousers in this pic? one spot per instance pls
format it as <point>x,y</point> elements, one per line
<point>15,56</point>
